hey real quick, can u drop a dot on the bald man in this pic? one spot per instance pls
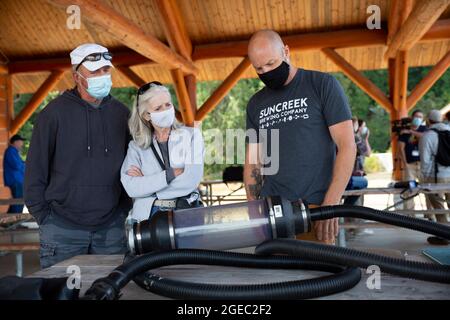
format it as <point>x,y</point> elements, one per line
<point>311,113</point>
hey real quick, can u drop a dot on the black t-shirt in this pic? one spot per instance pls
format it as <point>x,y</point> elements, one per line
<point>412,145</point>
<point>302,111</point>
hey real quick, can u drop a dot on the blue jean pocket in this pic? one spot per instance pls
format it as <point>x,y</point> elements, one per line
<point>47,250</point>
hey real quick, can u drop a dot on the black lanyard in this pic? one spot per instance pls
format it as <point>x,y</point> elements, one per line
<point>161,163</point>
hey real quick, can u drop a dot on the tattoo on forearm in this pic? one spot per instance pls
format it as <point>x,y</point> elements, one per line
<point>255,189</point>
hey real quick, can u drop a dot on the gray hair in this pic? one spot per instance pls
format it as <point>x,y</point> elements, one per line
<point>140,129</point>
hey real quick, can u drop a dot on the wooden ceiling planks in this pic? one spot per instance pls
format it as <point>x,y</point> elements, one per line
<point>207,21</point>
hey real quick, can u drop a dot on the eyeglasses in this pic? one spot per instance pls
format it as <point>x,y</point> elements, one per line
<point>144,88</point>
<point>95,57</point>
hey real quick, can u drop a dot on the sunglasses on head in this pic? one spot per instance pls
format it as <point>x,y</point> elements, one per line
<point>95,57</point>
<point>144,88</point>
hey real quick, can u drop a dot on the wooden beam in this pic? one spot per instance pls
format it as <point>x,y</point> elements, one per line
<point>122,58</point>
<point>129,33</point>
<point>223,89</point>
<point>359,79</point>
<point>184,104</point>
<point>305,41</point>
<point>399,12</point>
<point>174,28</point>
<point>427,82</point>
<point>132,76</point>
<point>422,17</point>
<point>36,100</point>
<point>178,38</point>
<point>439,31</point>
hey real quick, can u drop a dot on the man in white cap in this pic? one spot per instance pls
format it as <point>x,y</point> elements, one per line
<point>72,178</point>
<point>432,168</point>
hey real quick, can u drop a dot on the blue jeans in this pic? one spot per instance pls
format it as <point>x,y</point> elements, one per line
<point>59,242</point>
<point>158,208</point>
<point>355,183</point>
<point>17,193</point>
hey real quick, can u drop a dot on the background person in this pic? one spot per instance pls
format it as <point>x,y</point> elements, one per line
<point>428,150</point>
<point>14,171</point>
<point>408,144</point>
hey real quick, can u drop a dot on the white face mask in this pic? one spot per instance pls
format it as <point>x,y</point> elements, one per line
<point>364,131</point>
<point>163,119</point>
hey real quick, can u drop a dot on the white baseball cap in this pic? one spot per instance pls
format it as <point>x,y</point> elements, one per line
<point>82,51</point>
<point>435,115</point>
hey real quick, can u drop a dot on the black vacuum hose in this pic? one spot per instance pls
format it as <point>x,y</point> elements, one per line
<point>318,257</point>
<point>109,288</point>
<point>351,257</point>
<point>395,219</point>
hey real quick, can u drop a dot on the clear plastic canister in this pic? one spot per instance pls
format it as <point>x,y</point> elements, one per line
<point>231,226</point>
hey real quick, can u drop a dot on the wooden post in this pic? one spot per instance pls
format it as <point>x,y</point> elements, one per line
<point>399,103</point>
<point>183,97</point>
<point>398,78</point>
<point>36,100</point>
<point>359,79</point>
<point>127,32</point>
<point>9,98</point>
<point>427,82</point>
<point>223,89</point>
<point>5,104</point>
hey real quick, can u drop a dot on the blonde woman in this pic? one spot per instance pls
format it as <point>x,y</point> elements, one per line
<point>164,161</point>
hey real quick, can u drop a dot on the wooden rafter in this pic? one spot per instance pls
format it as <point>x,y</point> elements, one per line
<point>178,38</point>
<point>439,31</point>
<point>359,79</point>
<point>305,41</point>
<point>130,34</point>
<point>427,82</point>
<point>223,89</point>
<point>399,11</point>
<point>184,103</point>
<point>174,28</point>
<point>132,76</point>
<point>125,58</point>
<point>422,17</point>
<point>36,100</point>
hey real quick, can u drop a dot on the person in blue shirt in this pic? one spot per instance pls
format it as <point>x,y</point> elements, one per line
<point>14,171</point>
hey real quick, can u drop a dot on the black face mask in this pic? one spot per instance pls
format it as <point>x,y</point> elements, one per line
<point>276,78</point>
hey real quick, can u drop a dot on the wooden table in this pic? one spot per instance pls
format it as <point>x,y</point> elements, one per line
<point>392,287</point>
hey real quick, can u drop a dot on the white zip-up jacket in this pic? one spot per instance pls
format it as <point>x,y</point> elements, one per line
<point>428,146</point>
<point>186,150</point>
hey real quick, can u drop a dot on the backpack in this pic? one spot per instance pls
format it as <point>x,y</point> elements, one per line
<point>443,152</point>
<point>442,156</point>
<point>233,174</point>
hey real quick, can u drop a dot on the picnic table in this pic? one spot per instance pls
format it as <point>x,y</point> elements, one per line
<point>404,244</point>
